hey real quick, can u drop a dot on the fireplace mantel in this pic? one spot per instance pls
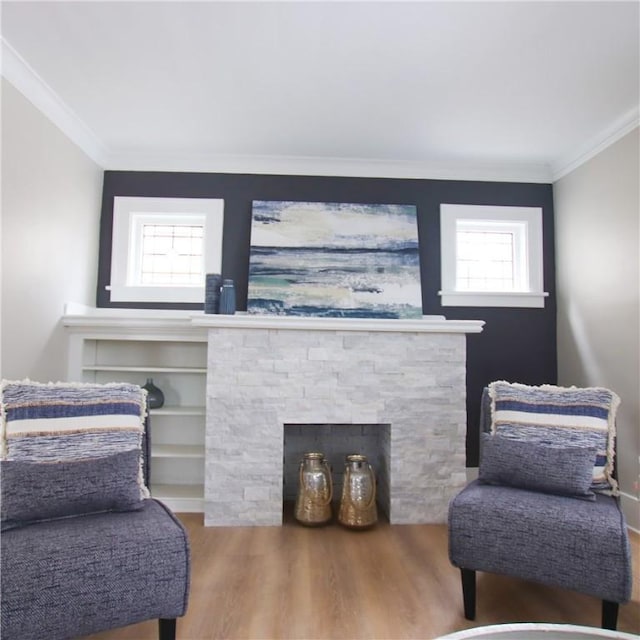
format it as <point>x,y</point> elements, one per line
<point>101,318</point>
<point>265,372</point>
<point>426,324</point>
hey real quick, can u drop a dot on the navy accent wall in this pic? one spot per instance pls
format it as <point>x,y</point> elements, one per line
<point>518,345</point>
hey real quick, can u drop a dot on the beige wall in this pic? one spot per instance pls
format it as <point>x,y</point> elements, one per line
<point>51,195</point>
<point>597,212</point>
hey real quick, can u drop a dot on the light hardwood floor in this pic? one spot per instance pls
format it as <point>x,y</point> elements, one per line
<point>390,583</point>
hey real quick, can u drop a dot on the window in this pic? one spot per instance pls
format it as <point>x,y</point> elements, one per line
<point>163,247</point>
<point>166,252</point>
<point>491,256</point>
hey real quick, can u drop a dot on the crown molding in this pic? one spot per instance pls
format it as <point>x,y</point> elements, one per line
<point>598,143</point>
<point>17,71</point>
<point>327,166</point>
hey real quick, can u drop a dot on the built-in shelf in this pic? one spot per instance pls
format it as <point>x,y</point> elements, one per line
<point>178,411</point>
<point>131,346</point>
<point>142,369</point>
<point>177,451</point>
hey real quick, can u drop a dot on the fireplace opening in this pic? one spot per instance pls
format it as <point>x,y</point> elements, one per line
<point>336,441</point>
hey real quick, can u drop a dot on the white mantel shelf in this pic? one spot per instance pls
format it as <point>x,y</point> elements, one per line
<point>83,317</point>
<point>426,324</point>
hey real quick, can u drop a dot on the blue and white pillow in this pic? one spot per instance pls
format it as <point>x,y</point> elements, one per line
<point>69,449</point>
<point>560,416</point>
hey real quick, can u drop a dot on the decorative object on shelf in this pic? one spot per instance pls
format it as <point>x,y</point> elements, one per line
<point>315,491</point>
<point>213,282</point>
<point>155,397</point>
<point>228,297</point>
<point>334,260</point>
<point>358,503</point>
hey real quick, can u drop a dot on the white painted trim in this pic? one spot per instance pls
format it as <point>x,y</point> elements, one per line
<point>493,299</point>
<point>124,286</point>
<point>327,166</point>
<point>81,317</point>
<point>22,76</point>
<point>134,323</point>
<point>78,310</point>
<point>532,296</point>
<point>605,138</point>
<point>427,324</point>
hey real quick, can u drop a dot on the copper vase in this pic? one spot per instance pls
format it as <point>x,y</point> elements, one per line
<point>315,491</point>
<point>358,504</point>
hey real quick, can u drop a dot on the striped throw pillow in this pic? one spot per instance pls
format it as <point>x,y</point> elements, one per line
<point>79,444</point>
<point>560,416</point>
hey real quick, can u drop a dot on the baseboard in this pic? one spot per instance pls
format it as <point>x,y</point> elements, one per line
<point>631,509</point>
<point>472,473</point>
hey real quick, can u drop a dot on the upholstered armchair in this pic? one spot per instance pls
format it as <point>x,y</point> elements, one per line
<point>84,547</point>
<point>544,506</point>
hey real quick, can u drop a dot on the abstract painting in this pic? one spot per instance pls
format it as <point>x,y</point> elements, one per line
<point>334,260</point>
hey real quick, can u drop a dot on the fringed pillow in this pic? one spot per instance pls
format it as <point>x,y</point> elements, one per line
<point>559,416</point>
<point>70,449</point>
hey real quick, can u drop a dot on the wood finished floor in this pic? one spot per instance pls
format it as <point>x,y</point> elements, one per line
<point>388,583</point>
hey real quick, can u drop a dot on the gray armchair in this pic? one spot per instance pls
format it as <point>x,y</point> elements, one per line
<point>107,563</point>
<point>534,513</point>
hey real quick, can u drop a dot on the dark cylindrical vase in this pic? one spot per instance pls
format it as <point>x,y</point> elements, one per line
<point>228,297</point>
<point>212,293</point>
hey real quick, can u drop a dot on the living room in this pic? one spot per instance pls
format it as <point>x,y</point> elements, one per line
<point>551,124</point>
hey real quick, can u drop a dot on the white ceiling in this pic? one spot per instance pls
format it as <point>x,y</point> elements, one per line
<point>505,90</point>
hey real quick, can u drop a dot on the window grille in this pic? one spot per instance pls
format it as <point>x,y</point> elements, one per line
<point>172,254</point>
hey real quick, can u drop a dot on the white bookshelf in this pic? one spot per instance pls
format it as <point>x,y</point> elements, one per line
<point>118,345</point>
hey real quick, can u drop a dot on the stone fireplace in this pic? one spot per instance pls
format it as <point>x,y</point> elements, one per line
<point>407,376</point>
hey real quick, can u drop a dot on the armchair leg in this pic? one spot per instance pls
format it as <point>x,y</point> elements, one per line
<point>609,615</point>
<point>469,593</point>
<point>167,629</point>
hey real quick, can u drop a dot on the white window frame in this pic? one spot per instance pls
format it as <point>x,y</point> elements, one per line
<point>530,293</point>
<point>127,213</point>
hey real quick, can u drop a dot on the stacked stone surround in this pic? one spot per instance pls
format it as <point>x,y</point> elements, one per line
<point>260,378</point>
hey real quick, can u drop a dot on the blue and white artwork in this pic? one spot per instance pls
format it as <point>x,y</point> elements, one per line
<point>334,260</point>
